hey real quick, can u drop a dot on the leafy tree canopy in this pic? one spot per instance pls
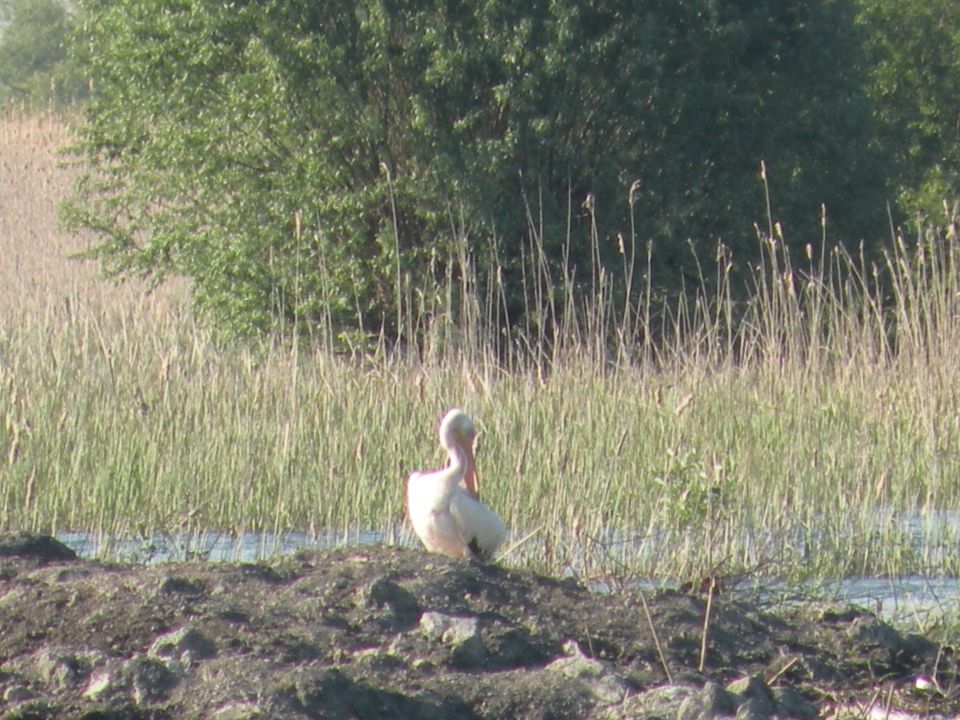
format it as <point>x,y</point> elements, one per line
<point>34,66</point>
<point>913,53</point>
<point>320,162</point>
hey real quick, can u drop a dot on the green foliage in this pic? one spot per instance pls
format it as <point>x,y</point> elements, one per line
<point>914,55</point>
<point>330,164</point>
<point>34,67</point>
<point>824,453</point>
<point>691,492</point>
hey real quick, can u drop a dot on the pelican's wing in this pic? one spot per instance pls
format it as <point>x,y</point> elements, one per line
<point>480,527</point>
<point>447,536</point>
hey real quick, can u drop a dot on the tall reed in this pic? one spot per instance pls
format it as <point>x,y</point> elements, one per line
<point>788,433</point>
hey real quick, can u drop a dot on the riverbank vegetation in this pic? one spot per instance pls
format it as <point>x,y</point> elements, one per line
<point>697,285</point>
<point>332,168</point>
<point>808,430</point>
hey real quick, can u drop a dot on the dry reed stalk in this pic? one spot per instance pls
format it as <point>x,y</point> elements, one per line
<point>706,625</point>
<point>38,273</point>
<point>656,638</point>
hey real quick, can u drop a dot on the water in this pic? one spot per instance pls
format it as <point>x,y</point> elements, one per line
<point>909,598</point>
<point>210,546</point>
<point>901,598</point>
<point>916,600</point>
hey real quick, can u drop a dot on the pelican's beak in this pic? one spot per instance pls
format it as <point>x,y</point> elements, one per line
<point>470,476</point>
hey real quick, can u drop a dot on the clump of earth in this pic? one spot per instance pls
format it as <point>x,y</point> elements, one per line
<point>382,632</point>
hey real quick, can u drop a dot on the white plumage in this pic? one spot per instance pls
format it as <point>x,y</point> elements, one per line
<point>444,505</point>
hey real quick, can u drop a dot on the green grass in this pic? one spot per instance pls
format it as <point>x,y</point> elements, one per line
<point>771,435</point>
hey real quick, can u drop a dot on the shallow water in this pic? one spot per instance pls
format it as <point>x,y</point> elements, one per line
<point>913,599</point>
<point>908,598</point>
<point>902,597</point>
<point>211,546</point>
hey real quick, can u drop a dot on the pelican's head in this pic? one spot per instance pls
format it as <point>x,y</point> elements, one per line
<point>457,427</point>
<point>458,431</point>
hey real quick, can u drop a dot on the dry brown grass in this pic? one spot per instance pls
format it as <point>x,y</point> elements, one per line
<point>37,272</point>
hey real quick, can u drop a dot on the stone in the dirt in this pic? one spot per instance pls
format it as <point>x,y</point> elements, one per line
<point>791,704</point>
<point>711,701</point>
<point>602,682</point>
<point>17,694</point>
<point>100,684</point>
<point>460,634</point>
<point>663,701</point>
<point>385,593</point>
<point>61,668</point>
<point>238,711</point>
<point>754,698</point>
<point>717,698</point>
<point>186,646</point>
<point>377,658</point>
<point>448,628</point>
<point>150,679</point>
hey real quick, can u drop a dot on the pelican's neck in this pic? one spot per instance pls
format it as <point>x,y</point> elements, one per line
<point>458,458</point>
<point>462,466</point>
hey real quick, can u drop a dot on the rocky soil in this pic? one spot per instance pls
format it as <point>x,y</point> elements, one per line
<point>382,632</point>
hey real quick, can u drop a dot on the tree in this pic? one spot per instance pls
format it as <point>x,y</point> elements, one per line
<point>317,162</point>
<point>914,59</point>
<point>33,53</point>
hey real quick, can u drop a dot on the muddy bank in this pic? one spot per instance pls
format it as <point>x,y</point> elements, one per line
<point>395,633</point>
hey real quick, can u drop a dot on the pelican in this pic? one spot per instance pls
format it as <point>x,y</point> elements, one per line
<point>444,505</point>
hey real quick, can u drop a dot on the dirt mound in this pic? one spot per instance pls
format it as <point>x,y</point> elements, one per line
<point>386,632</point>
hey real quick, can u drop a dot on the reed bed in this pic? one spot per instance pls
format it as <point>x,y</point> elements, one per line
<point>810,432</point>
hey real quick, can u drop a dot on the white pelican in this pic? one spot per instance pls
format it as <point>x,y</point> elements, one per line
<point>444,505</point>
